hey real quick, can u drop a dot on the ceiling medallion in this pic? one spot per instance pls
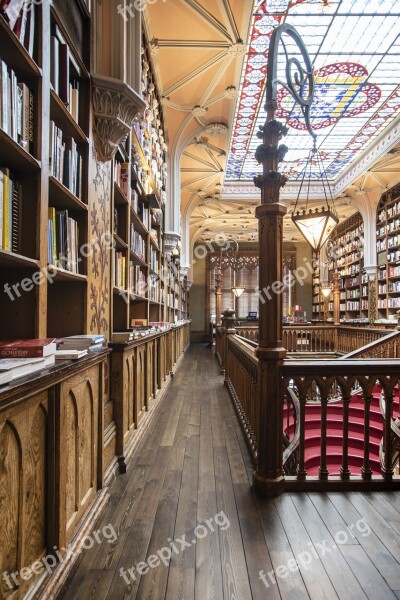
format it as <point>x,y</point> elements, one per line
<point>216,129</point>
<point>199,111</point>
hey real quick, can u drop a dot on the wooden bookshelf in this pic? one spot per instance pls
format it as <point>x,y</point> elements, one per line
<point>388,255</point>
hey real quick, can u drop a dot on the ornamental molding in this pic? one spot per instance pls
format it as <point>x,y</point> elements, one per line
<point>115,106</point>
<point>171,240</point>
<point>216,129</point>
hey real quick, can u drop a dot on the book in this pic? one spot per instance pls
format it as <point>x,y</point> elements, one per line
<point>63,73</point>
<point>70,354</point>
<point>6,242</point>
<point>54,62</point>
<point>1,206</point>
<point>123,336</point>
<point>16,216</point>
<point>29,348</point>
<point>5,377</point>
<point>82,342</point>
<point>19,367</point>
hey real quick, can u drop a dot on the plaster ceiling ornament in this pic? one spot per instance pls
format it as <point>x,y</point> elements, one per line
<point>145,66</point>
<point>165,102</point>
<point>154,47</point>
<point>237,50</point>
<point>231,92</point>
<point>216,129</point>
<point>199,111</point>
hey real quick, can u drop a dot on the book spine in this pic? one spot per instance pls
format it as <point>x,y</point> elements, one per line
<point>21,352</point>
<point>64,58</point>
<point>6,212</point>
<point>31,118</point>
<point>16,216</point>
<point>55,61</point>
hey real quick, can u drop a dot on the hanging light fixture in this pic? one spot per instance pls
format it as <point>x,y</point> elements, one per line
<point>315,225</point>
<point>326,289</point>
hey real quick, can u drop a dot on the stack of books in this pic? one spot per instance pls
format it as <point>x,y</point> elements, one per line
<point>23,357</point>
<point>121,176</point>
<point>88,343</point>
<point>63,71</point>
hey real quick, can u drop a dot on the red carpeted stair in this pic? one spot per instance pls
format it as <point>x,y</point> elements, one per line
<point>335,434</point>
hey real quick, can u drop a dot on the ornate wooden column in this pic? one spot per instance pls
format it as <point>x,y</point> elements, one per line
<point>372,293</point>
<point>269,476</point>
<point>218,295</point>
<point>336,298</point>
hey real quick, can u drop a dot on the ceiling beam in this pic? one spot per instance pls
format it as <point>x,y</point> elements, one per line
<point>195,44</point>
<point>198,159</point>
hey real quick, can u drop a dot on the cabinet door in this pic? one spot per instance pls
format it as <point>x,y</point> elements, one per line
<point>79,447</point>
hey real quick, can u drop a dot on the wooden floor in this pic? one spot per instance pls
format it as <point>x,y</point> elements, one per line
<point>193,468</point>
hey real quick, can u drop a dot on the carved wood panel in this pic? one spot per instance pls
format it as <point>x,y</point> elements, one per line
<point>23,440</point>
<point>79,414</point>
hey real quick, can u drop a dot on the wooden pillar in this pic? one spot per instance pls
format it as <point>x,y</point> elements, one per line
<point>336,299</point>
<point>372,293</point>
<point>228,328</point>
<point>218,295</point>
<point>268,477</point>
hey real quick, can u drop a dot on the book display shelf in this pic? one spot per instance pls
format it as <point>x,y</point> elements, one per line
<point>388,255</point>
<point>146,283</point>
<point>348,240</point>
<point>45,108</point>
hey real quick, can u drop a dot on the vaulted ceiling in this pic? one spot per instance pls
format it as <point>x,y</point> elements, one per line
<point>199,49</point>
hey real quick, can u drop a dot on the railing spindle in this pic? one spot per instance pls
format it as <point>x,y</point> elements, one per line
<point>344,469</point>
<point>387,469</point>
<point>366,472</point>
<point>323,470</point>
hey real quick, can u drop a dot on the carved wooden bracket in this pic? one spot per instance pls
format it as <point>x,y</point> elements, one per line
<point>116,105</point>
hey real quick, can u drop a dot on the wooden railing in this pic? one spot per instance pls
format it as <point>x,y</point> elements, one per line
<point>309,338</point>
<point>346,375</point>
<point>387,346</point>
<point>219,345</point>
<point>321,338</point>
<point>241,377</point>
<point>350,339</point>
<point>325,380</point>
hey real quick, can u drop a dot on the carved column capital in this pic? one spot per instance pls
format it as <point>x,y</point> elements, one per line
<point>171,239</point>
<point>115,105</point>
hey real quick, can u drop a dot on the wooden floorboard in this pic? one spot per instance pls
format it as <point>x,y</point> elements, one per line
<point>190,527</point>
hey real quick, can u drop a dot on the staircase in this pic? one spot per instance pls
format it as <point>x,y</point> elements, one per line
<point>335,436</point>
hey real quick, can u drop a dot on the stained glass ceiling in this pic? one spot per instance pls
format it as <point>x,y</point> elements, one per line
<point>354,46</point>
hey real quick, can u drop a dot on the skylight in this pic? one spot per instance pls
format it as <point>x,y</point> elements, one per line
<point>354,46</point>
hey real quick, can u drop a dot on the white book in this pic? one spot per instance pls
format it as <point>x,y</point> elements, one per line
<point>19,367</point>
<point>70,354</point>
<point>4,96</point>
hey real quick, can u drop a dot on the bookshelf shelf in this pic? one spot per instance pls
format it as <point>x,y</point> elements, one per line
<point>119,243</point>
<point>65,120</point>
<point>119,196</point>
<point>137,260</point>
<point>15,55</point>
<point>10,260</point>
<point>138,223</point>
<point>64,275</point>
<point>61,197</point>
<point>17,159</point>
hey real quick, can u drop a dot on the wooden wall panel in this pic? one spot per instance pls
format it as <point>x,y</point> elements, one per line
<point>10,499</point>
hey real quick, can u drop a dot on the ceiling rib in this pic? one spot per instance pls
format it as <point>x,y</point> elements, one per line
<point>216,79</point>
<point>199,71</point>
<point>208,17</point>
<point>226,7</point>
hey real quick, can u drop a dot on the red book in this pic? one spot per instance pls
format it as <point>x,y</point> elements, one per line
<point>27,348</point>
